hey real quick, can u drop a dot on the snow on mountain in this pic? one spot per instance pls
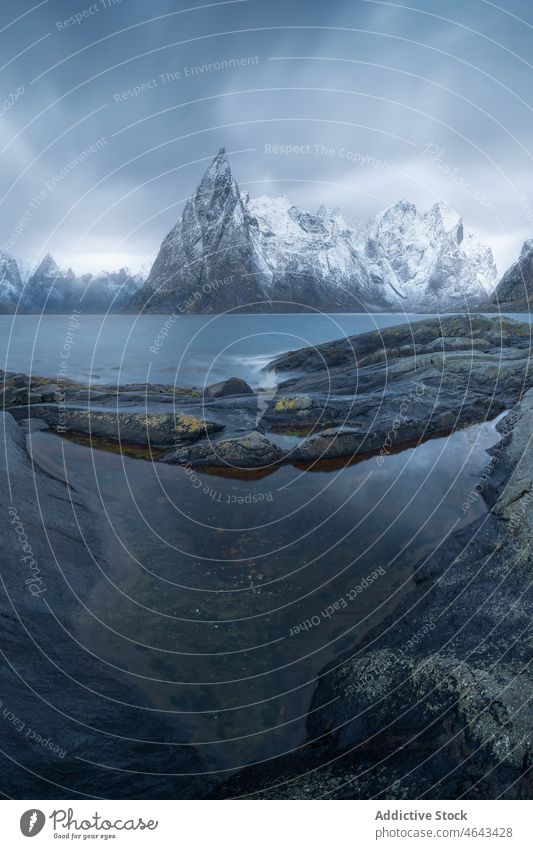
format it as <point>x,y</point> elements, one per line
<point>427,258</point>
<point>107,290</point>
<point>210,255</point>
<point>311,259</point>
<point>51,289</point>
<point>25,269</point>
<point>10,283</point>
<point>230,251</point>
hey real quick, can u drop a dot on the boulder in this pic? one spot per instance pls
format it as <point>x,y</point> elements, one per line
<point>232,386</point>
<point>251,450</point>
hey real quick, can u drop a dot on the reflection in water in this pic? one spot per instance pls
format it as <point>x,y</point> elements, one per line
<point>222,597</point>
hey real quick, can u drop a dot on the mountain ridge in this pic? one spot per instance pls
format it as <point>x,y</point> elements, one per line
<point>231,252</point>
<point>276,255</point>
<point>50,289</point>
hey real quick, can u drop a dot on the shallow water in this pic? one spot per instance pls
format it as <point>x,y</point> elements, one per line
<point>222,598</point>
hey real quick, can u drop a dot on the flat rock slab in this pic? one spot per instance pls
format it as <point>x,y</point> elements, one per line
<point>151,429</point>
<point>32,425</point>
<point>458,332</point>
<point>53,687</point>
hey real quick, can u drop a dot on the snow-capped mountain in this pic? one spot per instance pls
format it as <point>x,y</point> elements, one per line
<point>427,259</point>
<point>51,289</point>
<point>105,290</point>
<point>10,283</point>
<point>48,288</point>
<point>230,251</point>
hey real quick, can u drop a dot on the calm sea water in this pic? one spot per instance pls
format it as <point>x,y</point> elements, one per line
<point>191,351</point>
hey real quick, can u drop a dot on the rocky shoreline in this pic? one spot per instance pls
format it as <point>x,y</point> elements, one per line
<point>435,703</point>
<point>364,394</point>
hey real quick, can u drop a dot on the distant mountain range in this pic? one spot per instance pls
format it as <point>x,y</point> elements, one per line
<point>265,254</point>
<point>50,289</point>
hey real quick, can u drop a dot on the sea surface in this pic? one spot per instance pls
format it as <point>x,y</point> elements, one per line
<point>224,597</point>
<point>190,350</point>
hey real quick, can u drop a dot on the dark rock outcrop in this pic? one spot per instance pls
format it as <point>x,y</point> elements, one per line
<point>249,451</point>
<point>388,387</point>
<point>152,429</point>
<point>368,393</point>
<point>514,292</point>
<point>232,386</point>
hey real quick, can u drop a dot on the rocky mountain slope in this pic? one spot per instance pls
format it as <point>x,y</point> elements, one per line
<point>428,259</point>
<point>267,254</point>
<point>49,288</point>
<point>514,292</point>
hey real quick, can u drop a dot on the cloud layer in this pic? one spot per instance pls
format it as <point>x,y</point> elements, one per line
<point>113,109</point>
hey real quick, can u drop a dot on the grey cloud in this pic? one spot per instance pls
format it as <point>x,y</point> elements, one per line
<point>124,197</point>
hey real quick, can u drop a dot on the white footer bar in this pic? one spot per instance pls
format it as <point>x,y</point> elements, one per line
<point>268,824</point>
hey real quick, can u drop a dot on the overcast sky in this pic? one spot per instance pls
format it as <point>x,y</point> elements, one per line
<point>386,100</point>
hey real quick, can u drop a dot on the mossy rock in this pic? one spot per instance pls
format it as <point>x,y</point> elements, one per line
<point>299,402</point>
<point>187,426</point>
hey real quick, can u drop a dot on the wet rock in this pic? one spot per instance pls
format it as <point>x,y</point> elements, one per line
<point>10,388</point>
<point>52,685</point>
<point>232,386</point>
<point>192,427</point>
<point>154,429</point>
<point>399,384</point>
<point>368,393</point>
<point>251,450</point>
<point>515,290</point>
<point>468,332</point>
<point>335,442</point>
